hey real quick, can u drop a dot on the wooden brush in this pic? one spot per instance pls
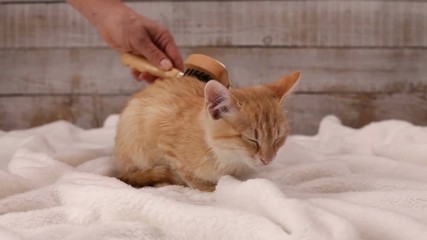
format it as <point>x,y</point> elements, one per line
<point>206,68</point>
<point>198,66</point>
<point>141,64</point>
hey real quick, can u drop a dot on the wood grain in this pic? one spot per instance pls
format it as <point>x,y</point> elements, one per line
<point>363,61</point>
<point>232,23</point>
<point>30,111</point>
<point>355,110</point>
<point>86,70</point>
<point>305,110</point>
<point>61,1</point>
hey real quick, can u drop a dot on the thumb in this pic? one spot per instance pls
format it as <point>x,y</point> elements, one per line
<point>154,55</point>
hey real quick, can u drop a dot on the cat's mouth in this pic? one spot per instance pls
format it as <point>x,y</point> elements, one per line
<point>265,162</point>
<point>258,162</point>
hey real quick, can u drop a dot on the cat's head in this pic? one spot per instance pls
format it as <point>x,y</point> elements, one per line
<point>248,124</point>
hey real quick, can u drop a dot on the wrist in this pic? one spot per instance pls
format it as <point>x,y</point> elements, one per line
<point>96,11</point>
<point>112,14</point>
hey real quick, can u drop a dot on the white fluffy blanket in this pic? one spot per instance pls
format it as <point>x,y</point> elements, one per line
<point>341,184</point>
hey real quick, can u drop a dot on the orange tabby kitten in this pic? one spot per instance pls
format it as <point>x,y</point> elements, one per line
<point>183,131</point>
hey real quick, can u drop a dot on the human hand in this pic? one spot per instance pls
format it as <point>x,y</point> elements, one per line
<point>127,31</point>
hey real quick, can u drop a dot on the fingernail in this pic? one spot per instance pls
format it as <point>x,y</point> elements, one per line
<point>166,64</point>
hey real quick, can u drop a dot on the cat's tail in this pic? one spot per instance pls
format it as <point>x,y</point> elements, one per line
<point>151,177</point>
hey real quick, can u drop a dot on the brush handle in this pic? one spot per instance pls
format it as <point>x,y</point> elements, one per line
<point>141,64</point>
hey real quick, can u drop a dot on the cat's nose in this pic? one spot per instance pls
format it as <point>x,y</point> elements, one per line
<point>266,160</point>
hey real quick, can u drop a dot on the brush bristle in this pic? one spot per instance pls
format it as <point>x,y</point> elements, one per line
<point>202,76</point>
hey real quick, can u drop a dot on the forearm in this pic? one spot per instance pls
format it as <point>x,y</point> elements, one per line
<point>96,10</point>
<point>125,30</point>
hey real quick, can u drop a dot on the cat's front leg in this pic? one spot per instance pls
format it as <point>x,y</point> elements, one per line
<point>154,176</point>
<point>196,183</point>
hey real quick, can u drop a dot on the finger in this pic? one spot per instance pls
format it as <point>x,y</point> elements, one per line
<point>174,55</point>
<point>147,77</point>
<point>167,43</point>
<point>148,49</point>
<point>135,73</point>
<point>139,76</point>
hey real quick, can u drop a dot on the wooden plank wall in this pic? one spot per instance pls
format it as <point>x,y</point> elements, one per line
<point>363,61</point>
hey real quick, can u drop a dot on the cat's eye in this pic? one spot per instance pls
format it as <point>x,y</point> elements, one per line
<point>253,141</point>
<point>276,142</point>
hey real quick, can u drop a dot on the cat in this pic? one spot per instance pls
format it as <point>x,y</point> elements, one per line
<point>186,132</point>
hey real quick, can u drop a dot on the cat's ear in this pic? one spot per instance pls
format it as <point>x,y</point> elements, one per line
<point>219,101</point>
<point>284,85</point>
